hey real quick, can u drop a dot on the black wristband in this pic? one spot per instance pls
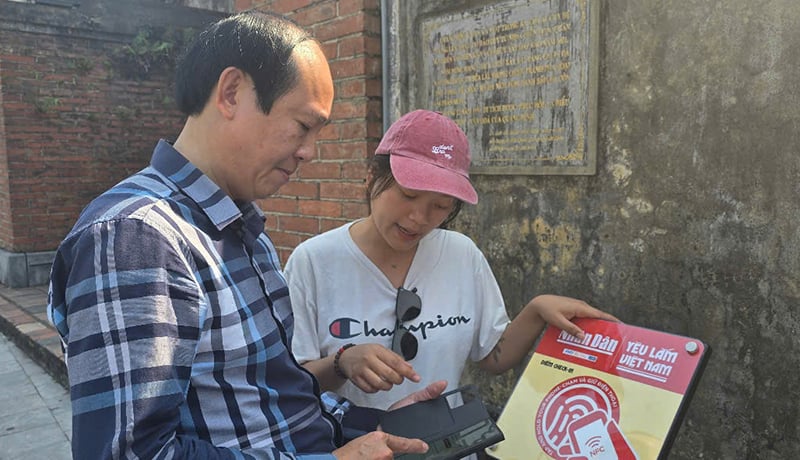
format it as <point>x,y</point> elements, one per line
<point>336,369</point>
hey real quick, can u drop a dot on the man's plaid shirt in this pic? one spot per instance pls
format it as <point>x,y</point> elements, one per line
<point>177,325</point>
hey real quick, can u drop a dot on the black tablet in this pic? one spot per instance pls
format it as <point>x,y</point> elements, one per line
<point>454,425</point>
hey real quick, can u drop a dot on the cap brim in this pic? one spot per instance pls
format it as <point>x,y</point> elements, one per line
<point>420,175</point>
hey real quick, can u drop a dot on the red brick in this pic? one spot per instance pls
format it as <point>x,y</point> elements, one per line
<point>283,254</point>
<point>315,14</point>
<point>354,170</point>
<point>342,27</point>
<point>341,190</point>
<point>356,66</point>
<point>347,28</point>
<point>285,239</point>
<point>330,224</point>
<point>352,211</point>
<point>351,88</point>
<point>320,170</point>
<point>351,6</point>
<point>353,130</point>
<point>374,109</point>
<point>375,129</point>
<point>241,5</point>
<point>343,150</point>
<point>277,204</point>
<point>348,68</point>
<point>349,109</point>
<point>374,87</point>
<point>351,46</point>
<point>298,224</point>
<point>321,208</point>
<point>288,6</point>
<point>330,49</point>
<point>329,132</point>
<point>373,46</point>
<point>297,188</point>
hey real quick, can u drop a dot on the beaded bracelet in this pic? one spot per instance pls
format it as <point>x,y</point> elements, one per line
<point>336,369</point>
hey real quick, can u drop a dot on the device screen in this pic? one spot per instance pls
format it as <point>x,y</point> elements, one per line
<point>456,445</point>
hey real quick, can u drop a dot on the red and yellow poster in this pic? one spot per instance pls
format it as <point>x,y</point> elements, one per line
<point>618,394</point>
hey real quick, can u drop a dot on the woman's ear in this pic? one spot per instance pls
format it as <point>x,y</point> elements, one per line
<point>369,186</point>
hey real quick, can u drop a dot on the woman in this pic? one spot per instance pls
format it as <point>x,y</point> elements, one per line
<point>391,302</point>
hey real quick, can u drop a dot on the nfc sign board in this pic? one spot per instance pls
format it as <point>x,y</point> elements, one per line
<point>618,394</point>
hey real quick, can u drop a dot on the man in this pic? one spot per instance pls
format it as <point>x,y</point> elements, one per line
<point>167,293</point>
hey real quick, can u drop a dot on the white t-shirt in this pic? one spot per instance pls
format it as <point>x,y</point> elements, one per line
<point>339,296</point>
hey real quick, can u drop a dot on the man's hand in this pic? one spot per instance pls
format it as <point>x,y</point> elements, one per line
<point>372,368</point>
<point>383,446</point>
<point>430,392</point>
<point>379,446</point>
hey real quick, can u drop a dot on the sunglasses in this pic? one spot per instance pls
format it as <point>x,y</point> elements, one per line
<point>407,307</point>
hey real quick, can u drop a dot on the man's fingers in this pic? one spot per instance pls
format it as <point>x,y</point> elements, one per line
<point>400,445</point>
<point>431,391</point>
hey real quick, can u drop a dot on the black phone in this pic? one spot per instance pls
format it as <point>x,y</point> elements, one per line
<point>454,425</point>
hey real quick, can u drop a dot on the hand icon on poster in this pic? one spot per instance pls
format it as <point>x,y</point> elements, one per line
<point>595,436</point>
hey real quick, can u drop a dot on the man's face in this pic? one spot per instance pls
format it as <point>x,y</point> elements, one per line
<point>268,148</point>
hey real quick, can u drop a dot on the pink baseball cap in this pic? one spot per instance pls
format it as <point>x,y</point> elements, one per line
<point>428,151</point>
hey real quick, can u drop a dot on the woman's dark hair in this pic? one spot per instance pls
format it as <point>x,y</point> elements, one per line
<point>258,43</point>
<point>381,178</point>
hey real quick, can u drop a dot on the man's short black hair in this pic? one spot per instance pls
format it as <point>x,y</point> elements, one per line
<point>258,43</point>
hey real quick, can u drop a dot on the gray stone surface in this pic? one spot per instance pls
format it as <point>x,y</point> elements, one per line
<point>690,224</point>
<point>35,414</point>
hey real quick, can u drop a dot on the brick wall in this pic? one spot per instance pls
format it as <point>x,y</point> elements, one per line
<point>73,127</point>
<point>5,211</point>
<point>82,106</point>
<point>330,190</point>
<point>74,123</point>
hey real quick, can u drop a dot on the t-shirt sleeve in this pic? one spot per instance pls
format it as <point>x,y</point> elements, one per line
<point>299,273</point>
<point>492,316</point>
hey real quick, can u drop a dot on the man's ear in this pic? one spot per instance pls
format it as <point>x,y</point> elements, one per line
<point>228,96</point>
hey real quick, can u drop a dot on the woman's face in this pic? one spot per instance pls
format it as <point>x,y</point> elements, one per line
<point>403,216</point>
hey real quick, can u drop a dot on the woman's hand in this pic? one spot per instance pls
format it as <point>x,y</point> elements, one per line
<point>559,311</point>
<point>372,367</point>
<point>520,335</point>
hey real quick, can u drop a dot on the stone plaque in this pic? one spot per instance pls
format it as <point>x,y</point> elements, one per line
<point>520,77</point>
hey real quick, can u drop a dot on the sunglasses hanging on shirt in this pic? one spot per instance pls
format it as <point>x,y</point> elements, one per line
<point>407,307</point>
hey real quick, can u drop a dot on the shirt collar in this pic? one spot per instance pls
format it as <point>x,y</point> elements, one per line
<point>213,201</point>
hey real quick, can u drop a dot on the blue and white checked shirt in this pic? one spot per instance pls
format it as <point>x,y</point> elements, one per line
<point>177,326</point>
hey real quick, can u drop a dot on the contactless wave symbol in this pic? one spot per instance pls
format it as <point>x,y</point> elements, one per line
<point>576,419</point>
<point>594,443</point>
<point>571,407</point>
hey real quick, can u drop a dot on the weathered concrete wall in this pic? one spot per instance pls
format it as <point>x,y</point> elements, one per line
<point>691,223</point>
<point>688,225</point>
